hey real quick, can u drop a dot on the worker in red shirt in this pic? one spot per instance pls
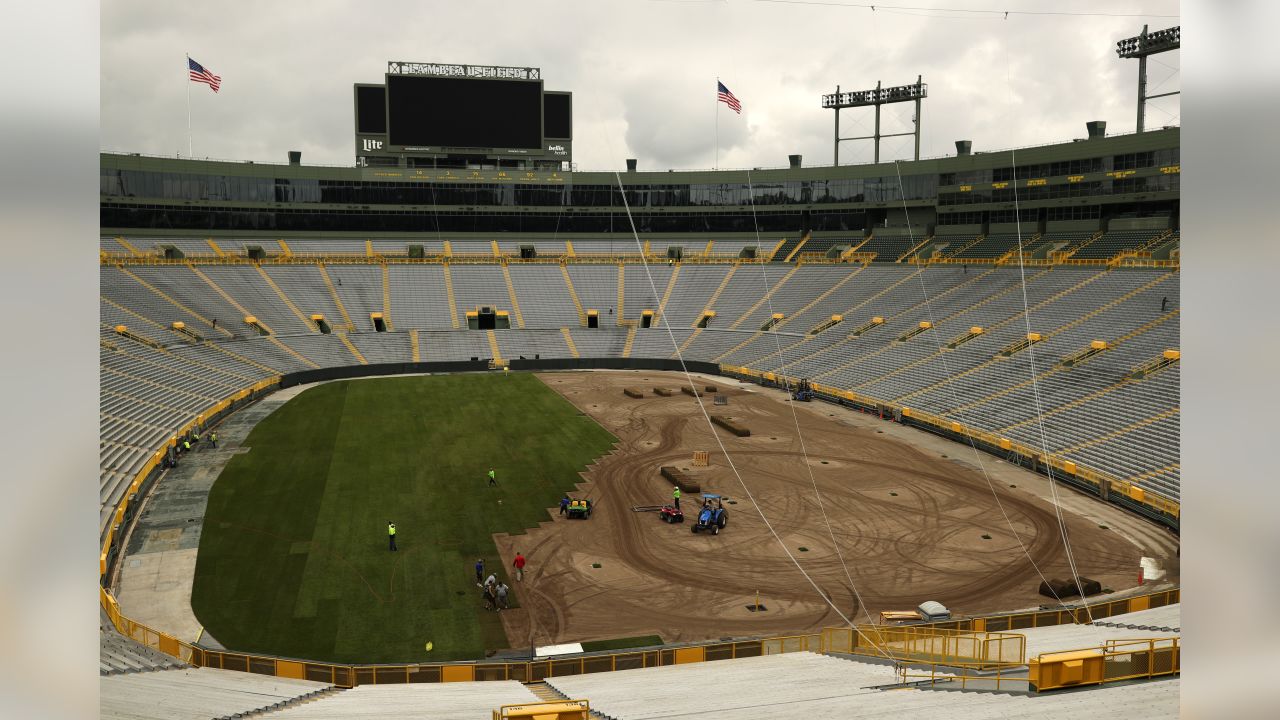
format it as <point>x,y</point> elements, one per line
<point>518,563</point>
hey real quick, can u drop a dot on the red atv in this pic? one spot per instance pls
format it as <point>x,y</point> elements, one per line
<point>671,514</point>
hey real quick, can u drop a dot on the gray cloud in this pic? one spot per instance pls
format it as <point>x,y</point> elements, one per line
<point>643,74</point>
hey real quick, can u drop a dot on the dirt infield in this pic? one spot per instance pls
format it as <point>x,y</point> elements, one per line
<point>910,523</point>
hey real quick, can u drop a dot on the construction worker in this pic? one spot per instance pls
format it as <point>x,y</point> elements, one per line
<point>493,478</point>
<point>479,570</point>
<point>501,593</point>
<point>213,439</point>
<point>391,534</point>
<point>186,446</point>
<point>564,504</point>
<point>518,564</point>
<point>675,497</point>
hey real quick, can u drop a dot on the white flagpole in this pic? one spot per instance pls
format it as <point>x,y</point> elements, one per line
<point>187,77</point>
<point>717,162</point>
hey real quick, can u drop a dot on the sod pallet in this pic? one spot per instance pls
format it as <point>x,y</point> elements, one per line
<point>664,392</point>
<point>710,389</point>
<point>730,425</point>
<point>677,477</point>
<point>690,391</point>
<point>633,392</point>
<point>1058,588</point>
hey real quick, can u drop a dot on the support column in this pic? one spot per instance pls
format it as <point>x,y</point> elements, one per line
<point>877,132</point>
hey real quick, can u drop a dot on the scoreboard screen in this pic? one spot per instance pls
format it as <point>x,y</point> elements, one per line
<point>557,115</point>
<point>425,111</point>
<point>371,109</point>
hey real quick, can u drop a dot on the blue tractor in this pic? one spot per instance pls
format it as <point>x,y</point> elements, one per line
<point>803,391</point>
<point>712,516</point>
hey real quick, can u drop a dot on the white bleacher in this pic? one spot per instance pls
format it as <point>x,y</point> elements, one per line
<point>195,694</point>
<point>733,248</point>
<point>243,283</point>
<point>389,347</point>
<point>544,298</point>
<point>1095,414</point>
<point>544,343</point>
<point>643,288</point>
<point>744,289</point>
<point>453,346</point>
<point>1168,616</point>
<point>694,287</point>
<point>418,297</point>
<point>322,246</point>
<point>118,654</point>
<point>428,701</point>
<point>181,286</point>
<point>1060,638</point>
<point>480,286</point>
<point>392,247</point>
<point>324,350</point>
<point>804,685</point>
<point>808,282</point>
<point>305,288</point>
<point>622,245</point>
<point>544,248</point>
<point>605,341</point>
<point>360,289</point>
<point>655,342</point>
<point>597,288</point>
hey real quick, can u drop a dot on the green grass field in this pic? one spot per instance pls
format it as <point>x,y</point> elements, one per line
<point>293,558</point>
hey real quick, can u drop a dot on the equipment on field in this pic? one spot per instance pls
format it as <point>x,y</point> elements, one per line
<point>701,458</point>
<point>711,517</point>
<point>579,509</point>
<point>928,611</point>
<point>933,611</point>
<point>803,391</point>
<point>670,514</point>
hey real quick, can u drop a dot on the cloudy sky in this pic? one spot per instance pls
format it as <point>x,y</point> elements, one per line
<point>642,72</point>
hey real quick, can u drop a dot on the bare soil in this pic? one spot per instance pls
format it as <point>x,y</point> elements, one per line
<point>908,520</point>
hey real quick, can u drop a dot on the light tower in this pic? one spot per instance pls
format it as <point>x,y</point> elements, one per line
<point>1140,47</point>
<point>877,97</point>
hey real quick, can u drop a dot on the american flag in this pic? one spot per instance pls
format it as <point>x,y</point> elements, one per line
<point>727,98</point>
<point>200,75</point>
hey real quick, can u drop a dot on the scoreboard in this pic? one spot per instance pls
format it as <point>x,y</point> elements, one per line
<point>461,114</point>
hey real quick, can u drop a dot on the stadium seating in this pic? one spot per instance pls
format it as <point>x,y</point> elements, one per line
<point>1095,413</point>
<point>438,701</point>
<point>1113,243</point>
<point>805,685</point>
<point>197,694</point>
<point>889,246</point>
<point>118,655</point>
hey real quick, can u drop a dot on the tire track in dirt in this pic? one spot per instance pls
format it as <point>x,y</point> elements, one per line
<point>925,542</point>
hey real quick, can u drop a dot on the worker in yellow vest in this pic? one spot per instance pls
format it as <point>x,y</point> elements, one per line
<point>675,497</point>
<point>391,534</point>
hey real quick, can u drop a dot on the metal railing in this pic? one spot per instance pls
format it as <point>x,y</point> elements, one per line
<point>928,643</point>
<point>1115,661</point>
<point>964,676</point>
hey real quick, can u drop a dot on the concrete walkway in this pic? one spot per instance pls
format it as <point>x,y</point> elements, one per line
<point>160,558</point>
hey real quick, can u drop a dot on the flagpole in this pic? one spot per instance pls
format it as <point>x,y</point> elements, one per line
<point>717,161</point>
<point>187,69</point>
